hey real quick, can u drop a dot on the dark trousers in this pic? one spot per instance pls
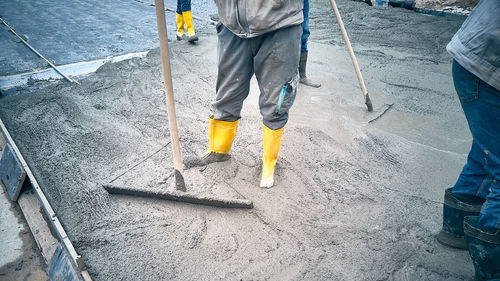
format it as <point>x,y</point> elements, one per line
<point>273,58</point>
<point>183,6</point>
<point>305,27</point>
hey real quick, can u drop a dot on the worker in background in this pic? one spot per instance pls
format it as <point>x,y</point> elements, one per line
<point>303,49</point>
<point>471,213</point>
<point>183,18</point>
<point>262,39</point>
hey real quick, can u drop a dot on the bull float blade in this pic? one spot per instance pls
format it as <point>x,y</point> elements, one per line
<point>179,196</point>
<point>374,115</point>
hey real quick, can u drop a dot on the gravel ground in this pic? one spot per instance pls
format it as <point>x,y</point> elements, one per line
<point>353,201</point>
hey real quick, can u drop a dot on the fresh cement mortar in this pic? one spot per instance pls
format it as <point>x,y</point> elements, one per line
<point>352,201</point>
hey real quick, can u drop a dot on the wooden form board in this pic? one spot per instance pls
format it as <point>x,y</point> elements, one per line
<point>12,173</point>
<point>32,210</point>
<point>49,216</point>
<point>60,267</point>
<point>59,262</point>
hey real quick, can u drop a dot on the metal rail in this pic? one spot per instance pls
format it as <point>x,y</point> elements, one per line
<point>36,52</point>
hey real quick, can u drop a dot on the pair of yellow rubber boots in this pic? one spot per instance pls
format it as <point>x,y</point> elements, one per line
<point>185,19</point>
<point>221,135</point>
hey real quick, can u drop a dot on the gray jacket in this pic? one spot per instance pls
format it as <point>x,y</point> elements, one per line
<point>250,18</point>
<point>476,45</point>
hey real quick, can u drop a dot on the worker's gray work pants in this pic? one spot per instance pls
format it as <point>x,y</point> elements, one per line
<point>273,57</point>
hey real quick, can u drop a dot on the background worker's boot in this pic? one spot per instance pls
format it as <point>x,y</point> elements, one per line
<point>455,208</point>
<point>271,140</point>
<point>220,139</point>
<point>188,20</point>
<point>483,244</point>
<point>179,22</point>
<point>302,72</point>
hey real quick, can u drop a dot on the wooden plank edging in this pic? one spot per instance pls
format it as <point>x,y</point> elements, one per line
<point>49,212</point>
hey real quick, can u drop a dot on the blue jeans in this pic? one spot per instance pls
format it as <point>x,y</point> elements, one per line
<point>305,27</point>
<point>183,6</point>
<point>481,174</point>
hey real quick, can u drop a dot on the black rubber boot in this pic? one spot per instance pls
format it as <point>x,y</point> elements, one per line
<point>455,208</point>
<point>484,249</point>
<point>302,72</point>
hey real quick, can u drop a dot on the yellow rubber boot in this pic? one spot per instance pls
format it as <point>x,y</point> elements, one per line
<point>271,140</point>
<point>179,22</point>
<point>188,20</point>
<point>220,139</point>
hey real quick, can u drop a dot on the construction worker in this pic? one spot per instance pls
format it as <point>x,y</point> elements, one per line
<point>262,38</point>
<point>183,18</point>
<point>303,49</point>
<point>471,212</point>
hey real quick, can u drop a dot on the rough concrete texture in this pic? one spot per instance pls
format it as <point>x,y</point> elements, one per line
<point>352,201</point>
<point>439,4</point>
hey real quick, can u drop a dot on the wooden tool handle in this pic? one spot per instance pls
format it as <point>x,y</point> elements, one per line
<point>349,48</point>
<point>169,90</point>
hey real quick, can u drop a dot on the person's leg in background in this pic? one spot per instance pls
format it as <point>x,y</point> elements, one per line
<point>179,21</point>
<point>276,64</point>
<point>303,49</point>
<point>481,175</point>
<point>305,28</point>
<point>184,17</point>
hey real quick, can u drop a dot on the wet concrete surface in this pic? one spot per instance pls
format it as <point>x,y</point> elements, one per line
<point>353,201</point>
<point>67,32</point>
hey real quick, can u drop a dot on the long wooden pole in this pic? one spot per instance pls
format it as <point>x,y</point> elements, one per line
<point>169,94</point>
<point>353,57</point>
